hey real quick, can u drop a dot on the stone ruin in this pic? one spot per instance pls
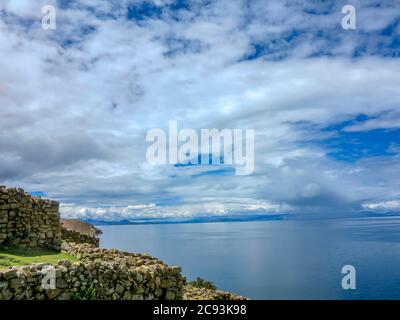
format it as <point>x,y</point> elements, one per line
<point>27,221</point>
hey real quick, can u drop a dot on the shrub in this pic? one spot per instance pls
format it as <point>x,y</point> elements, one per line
<point>201,283</point>
<point>85,293</point>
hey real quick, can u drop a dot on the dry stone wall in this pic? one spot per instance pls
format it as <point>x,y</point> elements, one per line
<point>27,221</point>
<point>102,274</point>
<point>77,237</point>
<point>194,293</point>
<point>108,275</point>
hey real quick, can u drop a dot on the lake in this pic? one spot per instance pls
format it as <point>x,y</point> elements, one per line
<point>282,259</point>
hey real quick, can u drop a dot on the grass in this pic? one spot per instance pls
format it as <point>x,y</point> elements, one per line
<point>10,257</point>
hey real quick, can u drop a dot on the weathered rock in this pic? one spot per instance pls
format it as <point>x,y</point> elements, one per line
<point>15,283</point>
<point>3,285</point>
<point>54,293</point>
<point>170,295</point>
<point>77,237</point>
<point>195,293</point>
<point>25,218</point>
<point>64,296</point>
<point>10,274</point>
<point>6,294</point>
<point>127,296</point>
<point>61,283</point>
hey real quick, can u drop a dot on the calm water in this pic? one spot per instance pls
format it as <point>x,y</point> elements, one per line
<point>276,259</point>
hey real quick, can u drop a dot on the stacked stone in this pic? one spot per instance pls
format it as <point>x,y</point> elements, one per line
<point>164,282</point>
<point>77,237</point>
<point>88,252</point>
<point>99,280</point>
<point>27,221</point>
<point>195,293</point>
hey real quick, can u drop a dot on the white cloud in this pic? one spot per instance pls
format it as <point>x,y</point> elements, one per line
<point>209,207</point>
<point>391,205</point>
<point>76,104</point>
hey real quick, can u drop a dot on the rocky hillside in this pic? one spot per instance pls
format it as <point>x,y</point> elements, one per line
<point>80,226</point>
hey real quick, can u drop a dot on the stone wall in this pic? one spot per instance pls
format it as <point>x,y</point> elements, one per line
<point>194,293</point>
<point>27,221</point>
<point>77,237</point>
<point>101,274</point>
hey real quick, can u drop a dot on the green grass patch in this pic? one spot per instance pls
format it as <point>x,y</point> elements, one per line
<point>10,257</point>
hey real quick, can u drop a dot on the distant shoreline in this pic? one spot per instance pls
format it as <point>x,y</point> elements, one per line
<point>143,221</point>
<point>240,218</point>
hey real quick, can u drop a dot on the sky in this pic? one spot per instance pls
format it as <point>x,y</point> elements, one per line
<point>324,102</point>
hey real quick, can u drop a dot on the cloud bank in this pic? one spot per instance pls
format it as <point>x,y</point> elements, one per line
<point>77,102</point>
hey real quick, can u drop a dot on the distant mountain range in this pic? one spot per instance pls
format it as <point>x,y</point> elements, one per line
<point>232,218</point>
<point>238,218</point>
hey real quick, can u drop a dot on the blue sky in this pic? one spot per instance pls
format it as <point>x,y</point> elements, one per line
<point>352,145</point>
<point>77,102</point>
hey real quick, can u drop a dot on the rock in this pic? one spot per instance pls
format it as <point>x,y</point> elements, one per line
<point>64,296</point>
<point>3,285</point>
<point>10,274</point>
<point>166,283</point>
<point>170,295</point>
<point>176,269</point>
<point>15,283</point>
<point>195,293</point>
<point>52,294</point>
<point>110,291</point>
<point>150,296</point>
<point>139,277</point>
<point>140,290</point>
<point>6,294</point>
<point>158,292</point>
<point>119,288</point>
<point>61,283</point>
<point>127,296</point>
